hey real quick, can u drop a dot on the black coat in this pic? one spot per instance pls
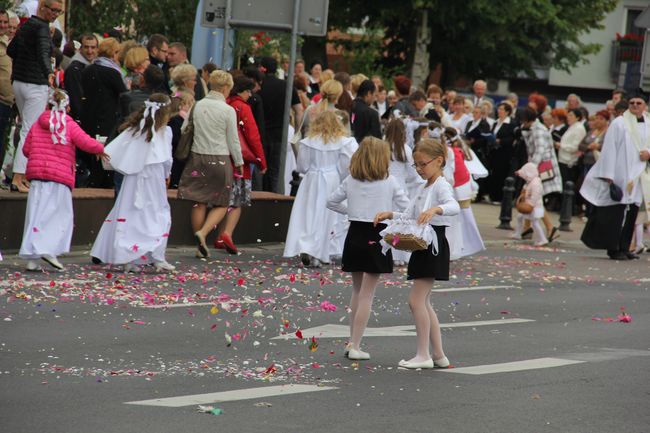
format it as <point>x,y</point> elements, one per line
<point>365,120</point>
<point>31,50</point>
<point>102,87</point>
<point>73,87</point>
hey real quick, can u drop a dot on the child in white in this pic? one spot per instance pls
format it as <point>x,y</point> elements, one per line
<point>50,148</point>
<point>533,192</point>
<point>368,189</point>
<point>137,228</point>
<point>434,204</point>
<point>323,157</point>
<point>401,167</point>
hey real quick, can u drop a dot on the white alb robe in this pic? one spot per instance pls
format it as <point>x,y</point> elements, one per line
<point>314,229</point>
<point>137,228</point>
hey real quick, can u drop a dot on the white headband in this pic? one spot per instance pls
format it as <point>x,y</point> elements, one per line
<point>58,116</point>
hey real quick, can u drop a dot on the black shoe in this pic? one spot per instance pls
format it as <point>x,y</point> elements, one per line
<point>305,259</point>
<point>13,187</point>
<point>527,234</point>
<point>632,256</point>
<point>618,255</point>
<point>553,235</point>
<point>96,261</point>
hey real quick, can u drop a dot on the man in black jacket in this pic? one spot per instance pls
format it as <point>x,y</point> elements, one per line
<point>87,53</point>
<point>365,120</point>
<point>158,46</point>
<point>31,50</point>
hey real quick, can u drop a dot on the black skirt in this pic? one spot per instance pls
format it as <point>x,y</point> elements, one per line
<point>362,251</point>
<point>424,264</point>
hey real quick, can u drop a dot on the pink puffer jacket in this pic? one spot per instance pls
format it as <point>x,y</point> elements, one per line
<point>56,162</point>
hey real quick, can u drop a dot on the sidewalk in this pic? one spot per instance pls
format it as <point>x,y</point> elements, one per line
<point>487,219</point>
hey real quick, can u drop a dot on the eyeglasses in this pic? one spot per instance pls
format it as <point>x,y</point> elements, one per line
<point>422,164</point>
<point>636,103</point>
<point>54,11</point>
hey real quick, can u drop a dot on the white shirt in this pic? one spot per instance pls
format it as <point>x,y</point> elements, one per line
<point>439,194</point>
<point>500,124</point>
<point>365,199</point>
<point>460,123</point>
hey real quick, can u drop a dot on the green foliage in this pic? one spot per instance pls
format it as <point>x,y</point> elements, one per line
<point>173,18</point>
<point>482,37</point>
<point>6,4</point>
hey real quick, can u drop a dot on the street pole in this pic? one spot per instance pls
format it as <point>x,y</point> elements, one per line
<point>288,93</point>
<point>226,28</point>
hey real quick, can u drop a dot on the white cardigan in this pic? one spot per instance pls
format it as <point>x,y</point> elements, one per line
<point>568,153</point>
<point>439,194</point>
<point>367,199</point>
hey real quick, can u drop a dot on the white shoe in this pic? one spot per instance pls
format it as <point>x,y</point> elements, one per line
<point>357,355</point>
<point>346,351</point>
<point>32,266</point>
<point>412,365</point>
<point>315,263</point>
<point>441,363</point>
<point>131,268</point>
<point>54,262</point>
<point>164,266</point>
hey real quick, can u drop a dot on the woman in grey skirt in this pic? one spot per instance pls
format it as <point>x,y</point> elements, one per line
<point>207,176</point>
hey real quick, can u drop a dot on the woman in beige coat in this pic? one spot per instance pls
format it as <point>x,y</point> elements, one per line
<point>207,176</point>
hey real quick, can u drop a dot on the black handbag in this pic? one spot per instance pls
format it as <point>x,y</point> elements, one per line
<point>615,192</point>
<point>187,139</point>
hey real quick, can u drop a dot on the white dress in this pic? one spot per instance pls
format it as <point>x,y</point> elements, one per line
<point>137,228</point>
<point>410,181</point>
<point>313,228</point>
<point>49,220</point>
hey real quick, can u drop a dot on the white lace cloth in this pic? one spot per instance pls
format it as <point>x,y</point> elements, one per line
<point>400,226</point>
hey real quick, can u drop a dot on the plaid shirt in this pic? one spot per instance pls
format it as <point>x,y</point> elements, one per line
<point>539,146</point>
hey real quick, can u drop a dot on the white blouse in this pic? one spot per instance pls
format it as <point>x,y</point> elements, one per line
<point>439,194</point>
<point>367,198</point>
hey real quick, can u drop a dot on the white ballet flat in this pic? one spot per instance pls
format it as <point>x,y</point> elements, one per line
<point>130,268</point>
<point>415,365</point>
<point>357,355</point>
<point>164,266</point>
<point>441,363</point>
<point>346,351</point>
<point>54,262</point>
<point>32,266</point>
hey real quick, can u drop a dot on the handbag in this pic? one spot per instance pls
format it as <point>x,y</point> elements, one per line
<point>187,139</point>
<point>522,206</point>
<point>545,169</point>
<point>615,192</point>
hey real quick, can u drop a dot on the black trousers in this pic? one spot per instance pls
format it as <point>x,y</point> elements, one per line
<point>273,154</point>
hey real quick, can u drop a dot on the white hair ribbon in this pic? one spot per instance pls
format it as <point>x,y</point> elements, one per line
<point>150,110</point>
<point>58,116</point>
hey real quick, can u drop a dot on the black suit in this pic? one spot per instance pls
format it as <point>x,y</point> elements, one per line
<point>74,88</point>
<point>365,120</point>
<point>500,157</point>
<point>479,138</point>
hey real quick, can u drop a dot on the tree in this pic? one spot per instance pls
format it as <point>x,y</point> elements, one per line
<point>172,18</point>
<point>481,38</point>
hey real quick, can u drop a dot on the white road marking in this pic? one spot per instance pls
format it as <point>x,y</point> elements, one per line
<point>508,367</point>
<point>204,304</point>
<point>471,288</point>
<point>239,394</point>
<point>343,331</point>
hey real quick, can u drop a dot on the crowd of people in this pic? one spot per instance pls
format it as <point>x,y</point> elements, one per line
<point>139,118</point>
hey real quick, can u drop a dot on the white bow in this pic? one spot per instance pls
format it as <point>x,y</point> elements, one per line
<point>150,110</point>
<point>58,117</point>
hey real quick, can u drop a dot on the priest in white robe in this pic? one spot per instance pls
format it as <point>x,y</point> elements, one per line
<point>619,182</point>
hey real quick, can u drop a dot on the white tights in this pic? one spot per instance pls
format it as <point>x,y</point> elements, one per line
<point>427,326</point>
<point>363,292</point>
<point>539,238</point>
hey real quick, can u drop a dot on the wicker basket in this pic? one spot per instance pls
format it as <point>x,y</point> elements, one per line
<point>406,242</point>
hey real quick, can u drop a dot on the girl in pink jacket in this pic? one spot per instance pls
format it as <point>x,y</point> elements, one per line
<point>50,150</point>
<point>533,193</point>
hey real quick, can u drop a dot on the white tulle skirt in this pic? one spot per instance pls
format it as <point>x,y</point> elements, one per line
<point>137,228</point>
<point>49,220</point>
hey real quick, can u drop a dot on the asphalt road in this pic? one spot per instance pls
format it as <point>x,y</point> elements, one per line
<point>534,336</point>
